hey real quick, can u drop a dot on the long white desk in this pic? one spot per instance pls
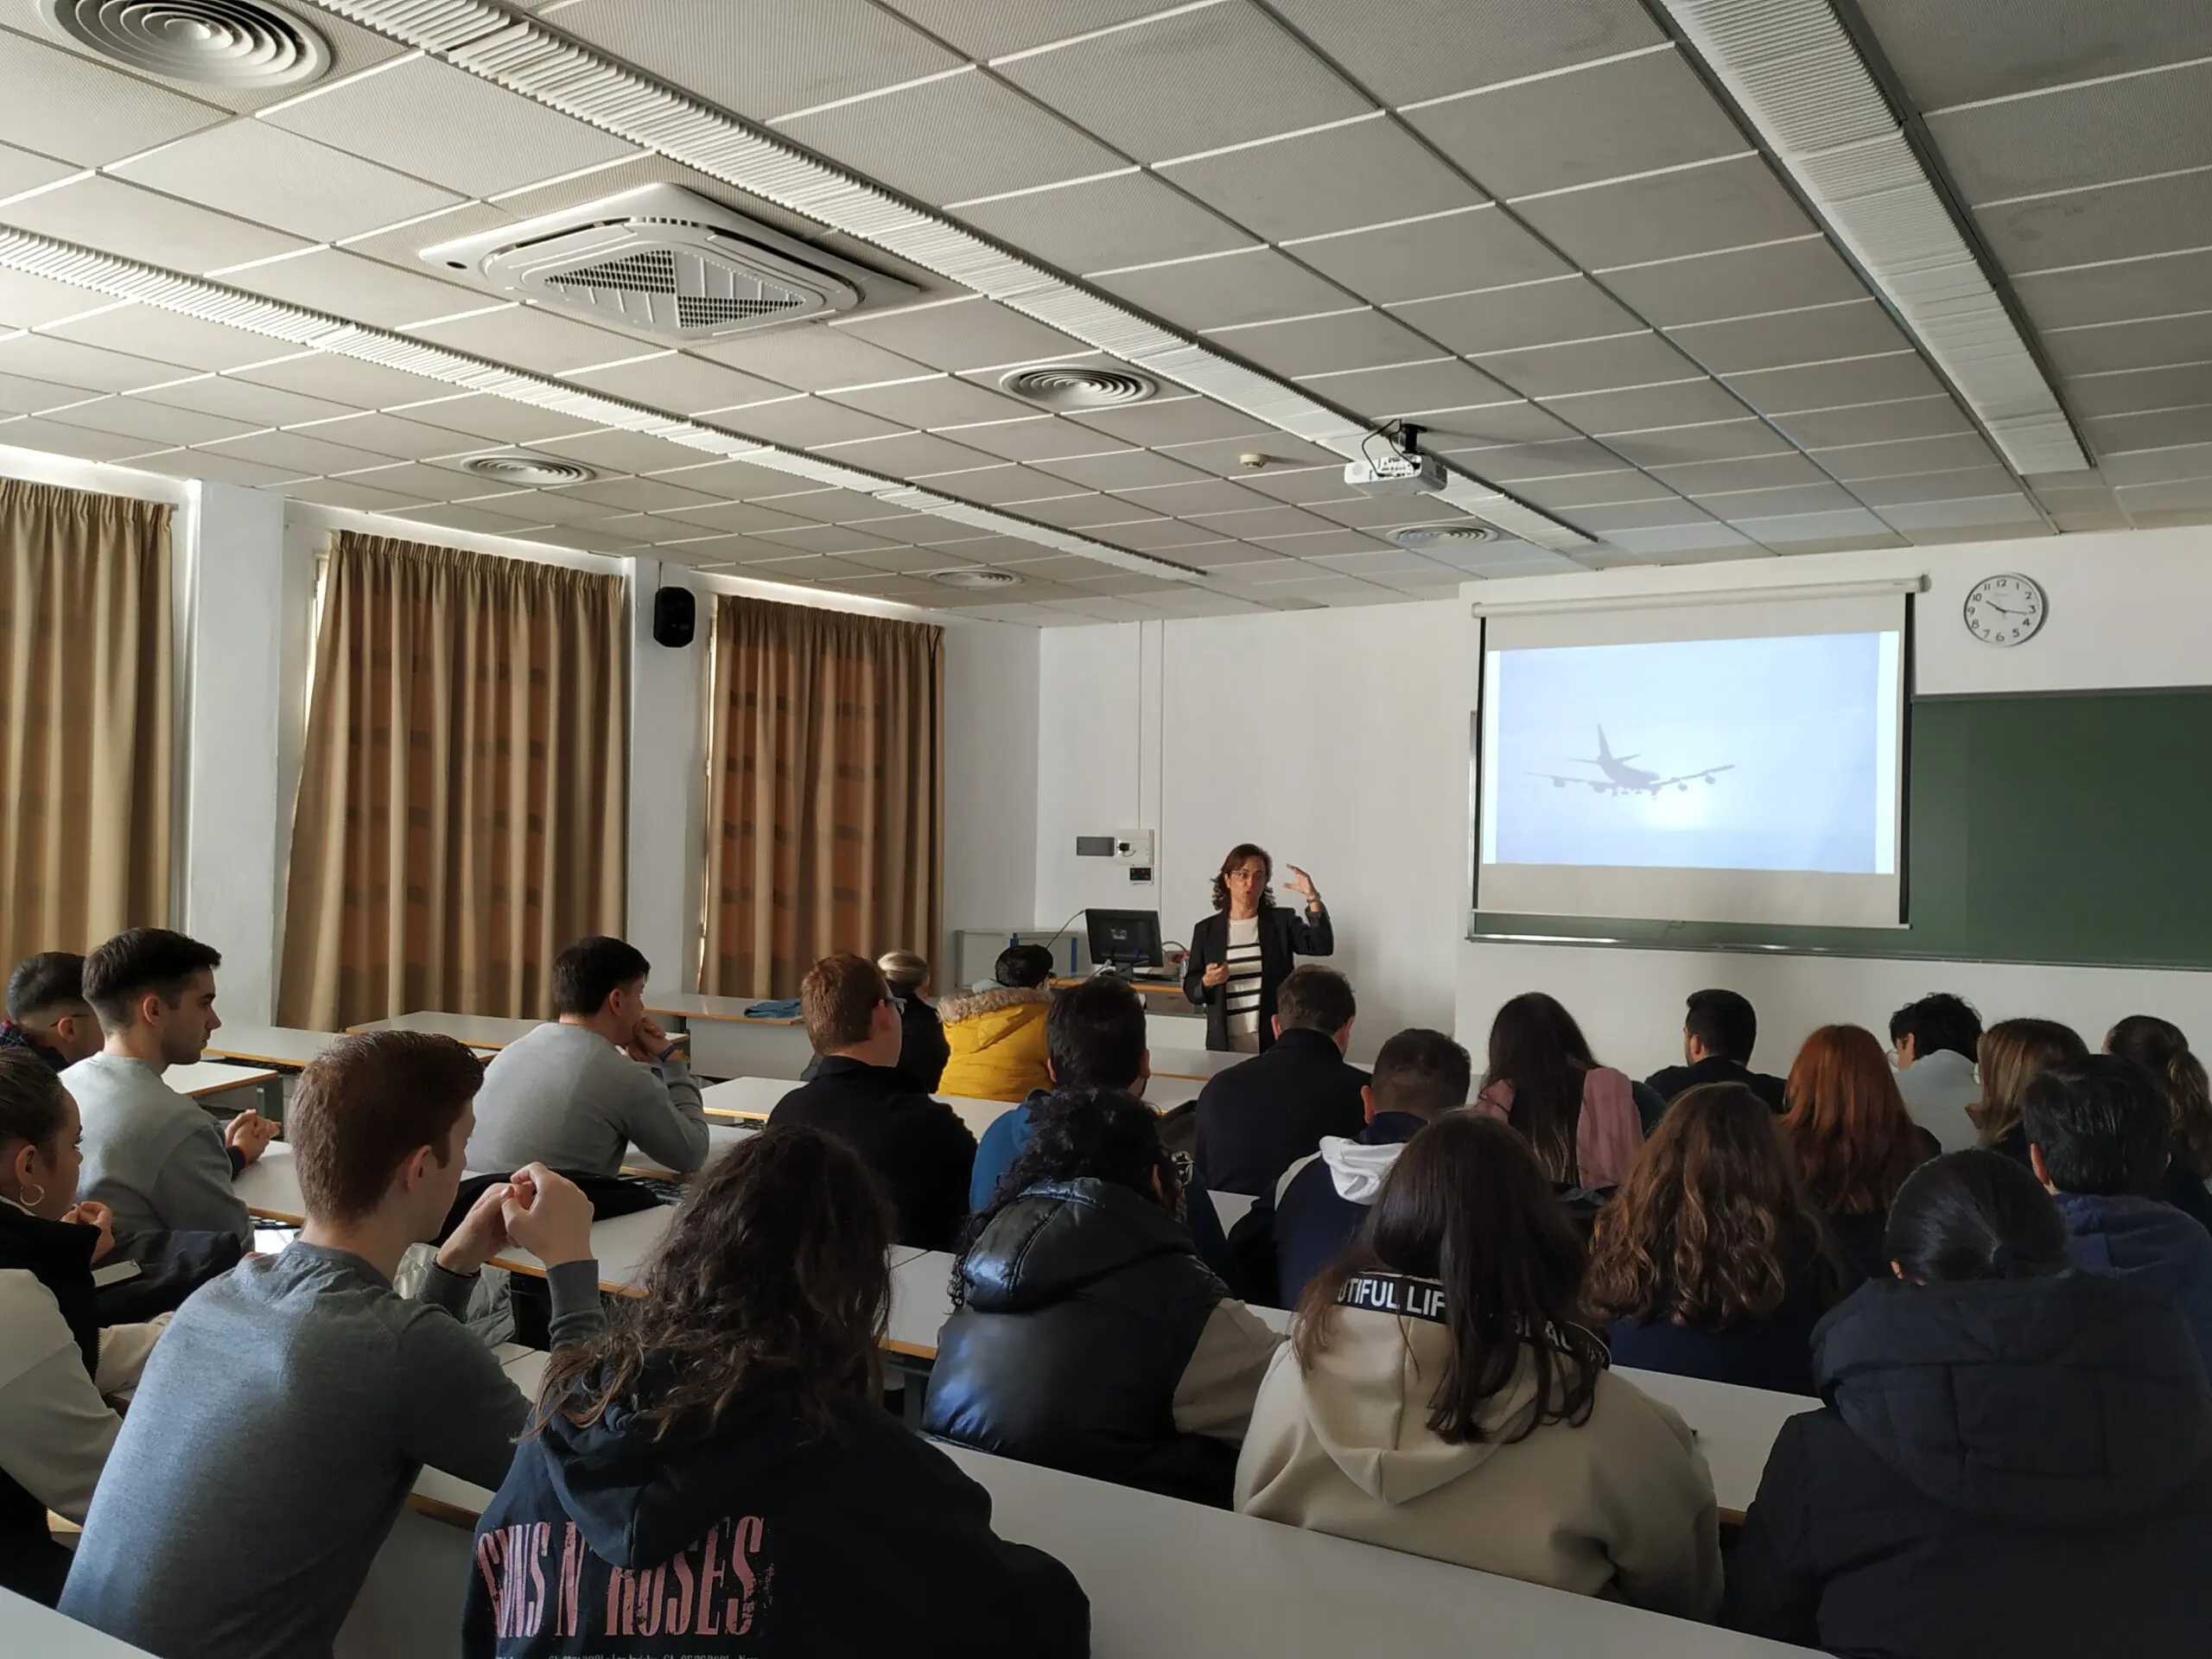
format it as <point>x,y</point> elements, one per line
<point>728,1042</point>
<point>285,1045</point>
<point>1167,1578</point>
<point>35,1632</point>
<point>477,1030</point>
<point>721,1137</point>
<point>204,1079</point>
<point>751,1099</point>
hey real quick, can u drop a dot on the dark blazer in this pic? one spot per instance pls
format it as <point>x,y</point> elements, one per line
<point>918,1147</point>
<point>1715,1068</point>
<point>922,1050</point>
<point>1261,1116</point>
<point>1284,933</point>
<point>2020,1467</point>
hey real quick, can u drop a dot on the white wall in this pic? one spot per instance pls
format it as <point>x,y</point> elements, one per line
<point>1339,740</point>
<point>991,780</point>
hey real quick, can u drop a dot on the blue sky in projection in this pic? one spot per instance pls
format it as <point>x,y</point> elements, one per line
<point>1796,719</point>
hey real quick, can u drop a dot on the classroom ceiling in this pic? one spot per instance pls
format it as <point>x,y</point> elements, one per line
<point>1532,227</point>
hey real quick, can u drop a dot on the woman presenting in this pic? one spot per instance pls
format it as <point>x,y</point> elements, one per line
<point>1242,953</point>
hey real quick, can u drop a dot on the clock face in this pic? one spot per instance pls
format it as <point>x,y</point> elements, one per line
<point>2004,610</point>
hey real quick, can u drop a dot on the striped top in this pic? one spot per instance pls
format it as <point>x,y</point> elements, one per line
<point>1241,992</point>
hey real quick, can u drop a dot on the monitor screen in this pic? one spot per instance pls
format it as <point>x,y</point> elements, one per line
<point>1126,938</point>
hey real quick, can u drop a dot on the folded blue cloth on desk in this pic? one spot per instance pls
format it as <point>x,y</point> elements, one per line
<point>773,1010</point>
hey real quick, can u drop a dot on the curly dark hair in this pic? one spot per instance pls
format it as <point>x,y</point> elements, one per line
<point>1237,854</point>
<point>1466,1205</point>
<point>776,1271</point>
<point>1103,1134</point>
<point>1712,1227</point>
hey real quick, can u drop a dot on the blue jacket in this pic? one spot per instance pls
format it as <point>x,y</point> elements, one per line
<point>1009,1132</point>
<point>2151,1243</point>
<point>1323,1200</point>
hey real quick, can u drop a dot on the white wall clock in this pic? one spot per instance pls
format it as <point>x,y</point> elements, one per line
<point>2005,610</point>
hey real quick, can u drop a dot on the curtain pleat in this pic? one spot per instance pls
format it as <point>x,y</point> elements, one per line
<point>825,812</point>
<point>461,806</point>
<point>86,717</point>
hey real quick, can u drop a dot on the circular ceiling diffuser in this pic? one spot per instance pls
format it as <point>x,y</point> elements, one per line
<point>1065,386</point>
<point>1442,535</point>
<point>540,470</point>
<point>219,42</point>
<point>979,578</point>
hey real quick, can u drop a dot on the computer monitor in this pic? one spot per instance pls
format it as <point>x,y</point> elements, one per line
<point>1125,938</point>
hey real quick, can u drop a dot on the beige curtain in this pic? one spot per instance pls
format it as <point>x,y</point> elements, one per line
<point>85,717</point>
<point>825,791</point>
<point>461,796</point>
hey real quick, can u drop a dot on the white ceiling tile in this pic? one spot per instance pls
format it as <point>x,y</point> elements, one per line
<point>26,300</point>
<point>966,334</point>
<point>168,337</point>
<point>988,29</point>
<point>955,139</point>
<point>812,357</point>
<point>386,434</point>
<point>1121,469</point>
<point>762,58</point>
<point>907,455</point>
<point>542,507</point>
<point>825,538</point>
<point>22,170</point>
<point>302,456</point>
<point>679,382</point>
<point>626,452</point>
<point>802,423</point>
<point>450,127</point>
<point>1036,437</point>
<point>1367,172</point>
<point>41,357</point>
<point>343,285</point>
<point>118,218</point>
<point>19,396</point>
<point>1195,78</point>
<point>348,492</point>
<point>154,423</point>
<point>826,506</point>
<point>344,381</point>
<point>53,438</point>
<point>277,178</point>
<point>222,469</point>
<point>639,495</point>
<point>418,479</point>
<point>1204,495</point>
<point>243,401</point>
<point>455,517</point>
<point>1730,204</point>
<point>1220,290</point>
<point>61,104</point>
<point>1224,457</point>
<point>1173,419</point>
<point>1385,393</point>
<point>479,414</point>
<point>1318,346</point>
<point>1426,49</point>
<point>995,487</point>
<point>1101,224</point>
<point>939,402</point>
<point>525,337</point>
<point>1443,253</point>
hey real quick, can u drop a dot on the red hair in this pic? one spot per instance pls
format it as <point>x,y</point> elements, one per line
<point>1855,1140</point>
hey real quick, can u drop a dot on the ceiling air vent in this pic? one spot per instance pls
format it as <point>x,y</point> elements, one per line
<point>666,262</point>
<point>219,42</point>
<point>524,469</point>
<point>973,579</point>
<point>1067,387</point>
<point>1442,535</point>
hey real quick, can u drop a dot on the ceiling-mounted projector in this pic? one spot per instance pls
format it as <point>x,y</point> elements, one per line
<point>1400,469</point>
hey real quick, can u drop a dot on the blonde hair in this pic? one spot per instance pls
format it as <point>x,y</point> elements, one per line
<point>2014,1052</point>
<point>903,970</point>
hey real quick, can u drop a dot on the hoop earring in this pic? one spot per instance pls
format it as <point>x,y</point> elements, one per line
<point>26,1198</point>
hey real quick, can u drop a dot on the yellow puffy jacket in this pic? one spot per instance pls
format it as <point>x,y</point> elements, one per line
<point>997,1038</point>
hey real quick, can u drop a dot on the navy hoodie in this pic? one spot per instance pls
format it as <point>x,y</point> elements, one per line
<point>752,1540</point>
<point>1322,1201</point>
<point>2151,1243</point>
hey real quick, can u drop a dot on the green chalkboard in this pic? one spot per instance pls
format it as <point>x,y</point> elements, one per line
<point>2062,829</point>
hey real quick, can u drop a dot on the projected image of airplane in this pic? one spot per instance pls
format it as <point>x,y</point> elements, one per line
<point>1621,778</point>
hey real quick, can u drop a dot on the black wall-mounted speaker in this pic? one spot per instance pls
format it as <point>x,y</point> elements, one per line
<point>676,616</point>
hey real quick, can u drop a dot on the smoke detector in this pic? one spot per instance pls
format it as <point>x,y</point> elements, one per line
<point>522,468</point>
<point>1065,386</point>
<point>1442,535</point>
<point>666,262</point>
<point>219,42</point>
<point>975,579</point>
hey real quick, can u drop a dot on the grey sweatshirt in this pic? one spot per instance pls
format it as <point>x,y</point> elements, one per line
<point>564,1097</point>
<point>275,1435</point>
<point>152,1156</point>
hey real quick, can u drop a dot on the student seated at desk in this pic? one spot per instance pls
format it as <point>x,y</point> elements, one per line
<point>1709,1261</point>
<point>577,1092</point>
<point>1854,1139</point>
<point>1086,1333</point>
<point>918,1147</point>
<point>56,1361</point>
<point>1441,1396</point>
<point>2013,1459</point>
<point>1719,1032</point>
<point>2098,1136</point>
<point>46,1011</point>
<point>1579,1117</point>
<point>293,1402</point>
<point>152,1156</point>
<point>997,1036</point>
<point>1322,1202</point>
<point>1095,1039</point>
<point>1262,1115</point>
<point>714,1475</point>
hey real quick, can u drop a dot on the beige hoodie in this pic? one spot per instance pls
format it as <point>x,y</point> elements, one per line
<point>1620,1506</point>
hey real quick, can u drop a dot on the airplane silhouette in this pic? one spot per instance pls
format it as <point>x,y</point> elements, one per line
<point>1621,778</point>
